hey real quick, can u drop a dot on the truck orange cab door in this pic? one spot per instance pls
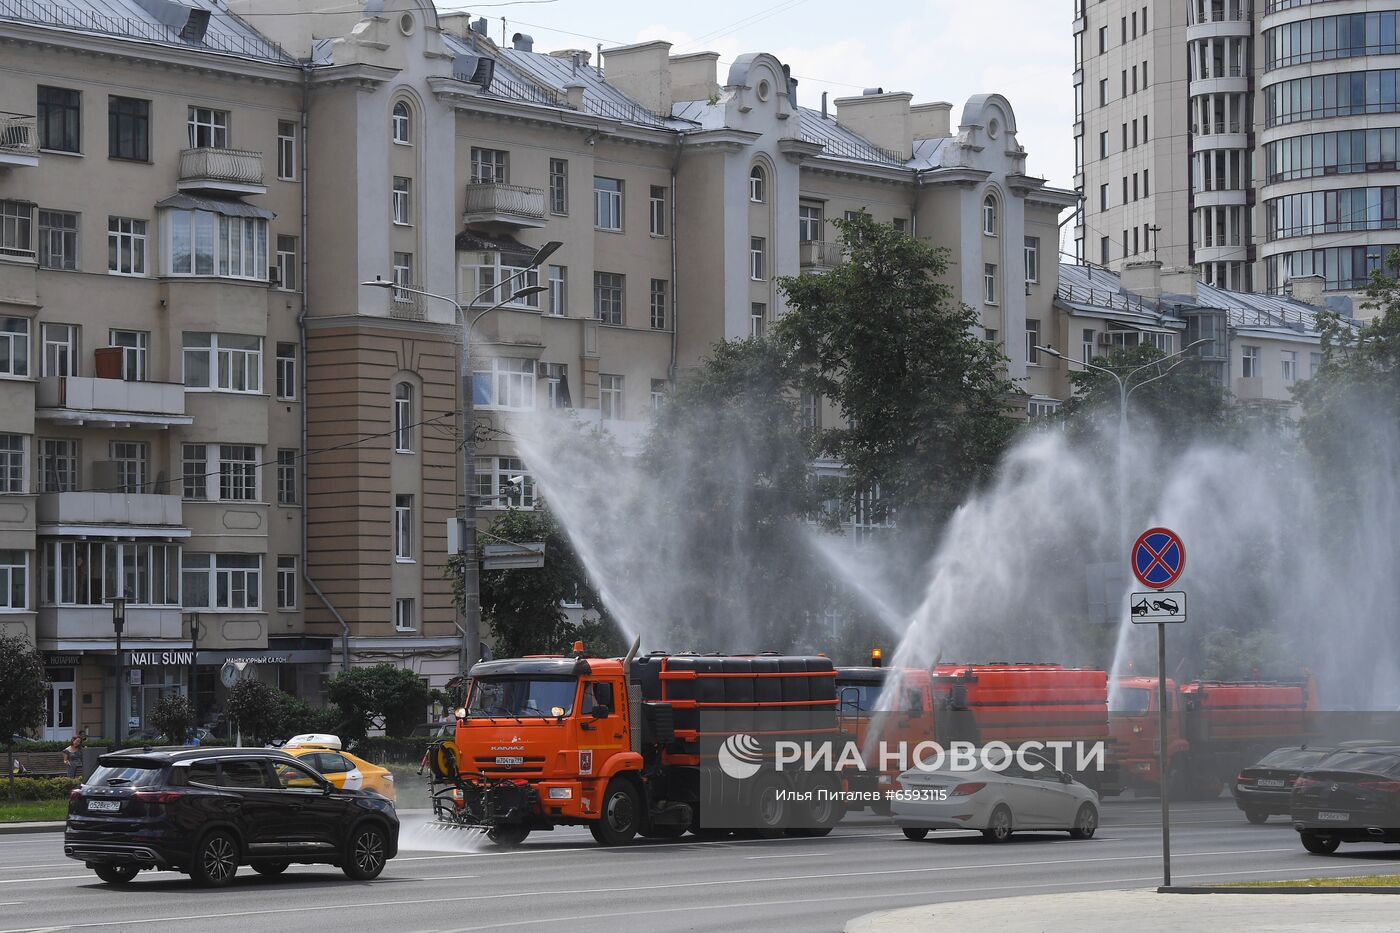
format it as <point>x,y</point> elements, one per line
<point>601,717</point>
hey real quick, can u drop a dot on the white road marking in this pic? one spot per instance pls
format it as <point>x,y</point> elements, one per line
<point>794,855</point>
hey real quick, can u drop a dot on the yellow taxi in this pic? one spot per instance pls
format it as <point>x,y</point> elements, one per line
<point>324,753</point>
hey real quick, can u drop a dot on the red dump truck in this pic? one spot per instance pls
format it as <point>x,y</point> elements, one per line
<point>996,701</point>
<point>1214,728</point>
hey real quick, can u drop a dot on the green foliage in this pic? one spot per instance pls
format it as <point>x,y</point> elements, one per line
<point>385,694</point>
<point>1261,654</point>
<point>40,788</point>
<point>927,403</point>
<point>173,716</point>
<point>256,708</point>
<point>24,686</point>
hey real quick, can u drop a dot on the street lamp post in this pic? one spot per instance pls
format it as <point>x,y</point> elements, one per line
<point>471,576</point>
<point>118,624</point>
<point>194,668</point>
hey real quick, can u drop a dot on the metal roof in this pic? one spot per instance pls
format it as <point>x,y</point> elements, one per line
<point>135,20</point>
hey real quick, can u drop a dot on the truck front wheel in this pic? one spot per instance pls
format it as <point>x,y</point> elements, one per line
<point>621,814</point>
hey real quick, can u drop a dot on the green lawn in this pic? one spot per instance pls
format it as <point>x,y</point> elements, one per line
<point>26,811</point>
<point>1361,881</point>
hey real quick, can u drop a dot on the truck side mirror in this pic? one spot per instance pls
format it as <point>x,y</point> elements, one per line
<point>601,712</point>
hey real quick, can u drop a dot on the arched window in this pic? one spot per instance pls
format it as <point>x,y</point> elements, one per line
<point>403,417</point>
<point>403,123</point>
<point>989,215</point>
<point>758,184</point>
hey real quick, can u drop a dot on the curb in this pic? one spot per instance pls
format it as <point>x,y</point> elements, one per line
<point>1330,889</point>
<point>14,829</point>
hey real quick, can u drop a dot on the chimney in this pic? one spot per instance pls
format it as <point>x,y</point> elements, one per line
<point>1143,278</point>
<point>1308,289</point>
<point>479,27</point>
<point>932,121</point>
<point>881,118</point>
<point>522,43</point>
<point>642,72</point>
<point>791,87</point>
<point>694,76</point>
<point>573,95</point>
<point>1180,281</point>
<point>823,105</point>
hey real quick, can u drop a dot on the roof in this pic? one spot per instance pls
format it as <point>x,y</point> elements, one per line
<point>190,202</point>
<point>842,143</point>
<point>176,753</point>
<point>549,667</point>
<point>152,21</point>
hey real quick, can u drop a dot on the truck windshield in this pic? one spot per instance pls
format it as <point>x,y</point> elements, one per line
<point>1133,700</point>
<point>521,697</point>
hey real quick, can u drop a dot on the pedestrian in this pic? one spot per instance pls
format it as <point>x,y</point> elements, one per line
<point>73,756</point>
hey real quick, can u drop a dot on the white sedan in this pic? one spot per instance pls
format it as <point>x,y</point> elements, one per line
<point>995,800</point>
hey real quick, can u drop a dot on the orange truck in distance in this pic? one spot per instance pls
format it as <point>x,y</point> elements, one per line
<point>614,744</point>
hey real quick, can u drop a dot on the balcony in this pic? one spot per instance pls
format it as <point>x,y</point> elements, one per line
<point>819,254</point>
<point>79,400</point>
<point>19,139</point>
<point>506,205</point>
<point>222,171</point>
<point>131,514</point>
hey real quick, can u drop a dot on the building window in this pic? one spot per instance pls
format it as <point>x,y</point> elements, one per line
<point>1032,341</point>
<point>1249,360</point>
<point>223,362</point>
<point>286,263</point>
<point>91,573</point>
<point>403,615</point>
<point>195,471</point>
<point>809,223</point>
<point>1103,251</point>
<point>12,463</point>
<point>1290,365</point>
<point>205,243</point>
<point>989,215</point>
<point>658,210</point>
<point>403,418</point>
<point>658,304</point>
<point>757,247</point>
<point>135,346</point>
<point>60,344</point>
<point>17,229</point>
<point>402,124</point>
<point>505,383</point>
<point>287,582</point>
<point>1314,364</point>
<point>403,275</point>
<point>238,472</point>
<point>811,411</point>
<point>610,397</point>
<point>14,579</point>
<point>1103,92</point>
<point>14,346</point>
<point>286,370</point>
<point>1086,346</point>
<point>1038,406</point>
<point>286,476</point>
<point>989,283</point>
<point>607,203</point>
<point>490,166</point>
<point>1032,259</point>
<point>558,291</point>
<point>403,528</point>
<point>60,125</point>
<point>559,186</point>
<point>286,150</point>
<point>758,318</point>
<point>658,394</point>
<point>58,465</point>
<point>126,246</point>
<point>758,185</point>
<point>222,581</point>
<point>500,274</point>
<point>608,294</point>
<point>1103,145</point>
<point>128,129</point>
<point>556,385</point>
<point>208,128</point>
<point>1103,39</point>
<point>130,458</point>
<point>504,483</point>
<point>401,201</point>
<point>58,240</point>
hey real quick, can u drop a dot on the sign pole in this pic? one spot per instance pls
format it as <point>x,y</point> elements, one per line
<point>1162,753</point>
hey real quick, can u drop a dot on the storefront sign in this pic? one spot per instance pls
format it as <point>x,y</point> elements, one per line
<point>63,660</point>
<point>159,658</point>
<point>133,676</point>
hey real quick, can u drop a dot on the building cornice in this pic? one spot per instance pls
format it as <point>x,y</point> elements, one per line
<point>451,332</point>
<point>720,140</point>
<point>360,75</point>
<point>799,150</point>
<point>953,177</point>
<point>889,174</point>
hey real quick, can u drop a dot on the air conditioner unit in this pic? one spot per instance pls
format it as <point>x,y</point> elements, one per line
<point>274,276</point>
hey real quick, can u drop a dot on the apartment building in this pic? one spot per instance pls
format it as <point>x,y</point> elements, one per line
<point>1249,142</point>
<point>216,420</point>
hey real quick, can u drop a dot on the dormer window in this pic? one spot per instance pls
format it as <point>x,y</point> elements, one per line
<point>989,215</point>
<point>402,124</point>
<point>758,185</point>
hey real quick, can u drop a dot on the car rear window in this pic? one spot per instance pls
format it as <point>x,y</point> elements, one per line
<point>1293,758</point>
<point>1369,762</point>
<point>128,774</point>
<point>244,772</point>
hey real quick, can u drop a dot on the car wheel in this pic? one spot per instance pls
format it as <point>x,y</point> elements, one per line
<point>770,811</point>
<point>1256,816</point>
<point>508,837</point>
<point>366,851</point>
<point>914,835</point>
<point>823,812</point>
<point>1086,822</point>
<point>270,868</point>
<point>215,860</point>
<point>621,814</point>
<point>116,874</point>
<point>999,826</point>
<point>1320,845</point>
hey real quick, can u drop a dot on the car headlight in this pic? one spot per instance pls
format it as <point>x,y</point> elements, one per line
<point>561,793</point>
<point>389,777</point>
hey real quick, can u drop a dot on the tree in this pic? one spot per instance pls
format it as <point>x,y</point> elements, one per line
<point>173,716</point>
<point>256,709</point>
<point>926,401</point>
<point>24,687</point>
<point>391,695</point>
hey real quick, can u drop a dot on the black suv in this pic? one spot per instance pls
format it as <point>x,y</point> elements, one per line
<point>207,811</point>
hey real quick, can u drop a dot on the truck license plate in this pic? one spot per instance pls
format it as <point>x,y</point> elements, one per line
<point>108,805</point>
<point>1332,815</point>
<point>510,760</point>
<point>1270,782</point>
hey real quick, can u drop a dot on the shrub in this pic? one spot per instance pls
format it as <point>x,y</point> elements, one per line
<point>39,788</point>
<point>386,750</point>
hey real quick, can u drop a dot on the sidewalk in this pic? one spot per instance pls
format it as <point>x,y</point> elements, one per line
<point>48,827</point>
<point>1142,912</point>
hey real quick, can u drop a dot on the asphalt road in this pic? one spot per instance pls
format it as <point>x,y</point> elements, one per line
<point>562,881</point>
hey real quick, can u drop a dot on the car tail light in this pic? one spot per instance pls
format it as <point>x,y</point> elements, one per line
<point>156,796</point>
<point>968,789</point>
<point>1244,779</point>
<point>1303,782</point>
<point>75,793</point>
<point>895,785</point>
<point>1382,787</point>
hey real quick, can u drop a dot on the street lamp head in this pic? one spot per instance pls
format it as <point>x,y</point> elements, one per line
<point>544,252</point>
<point>1051,351</point>
<point>119,609</point>
<point>527,291</point>
<point>378,283</point>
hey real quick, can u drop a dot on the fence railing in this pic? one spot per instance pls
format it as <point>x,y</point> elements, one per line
<point>515,200</point>
<point>237,166</point>
<point>19,134</point>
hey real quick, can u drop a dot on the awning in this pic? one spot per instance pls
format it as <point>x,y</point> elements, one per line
<point>470,241</point>
<point>191,202</point>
